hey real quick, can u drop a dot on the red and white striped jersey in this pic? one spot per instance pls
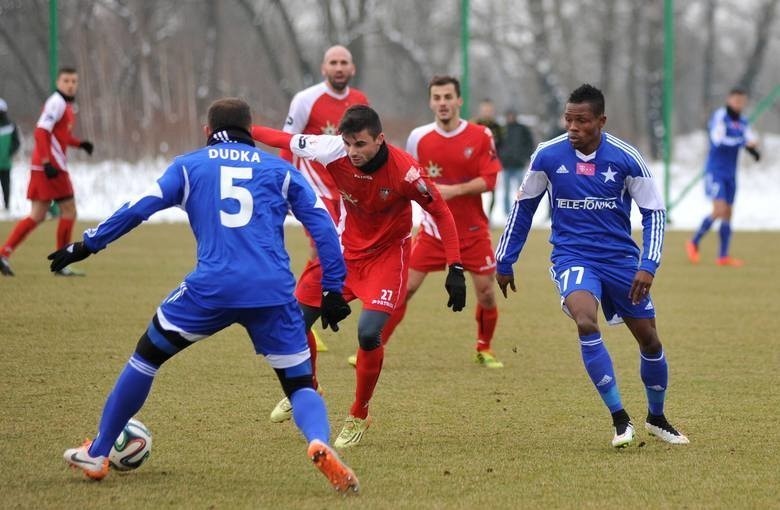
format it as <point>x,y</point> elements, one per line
<point>456,157</point>
<point>57,120</point>
<point>317,110</point>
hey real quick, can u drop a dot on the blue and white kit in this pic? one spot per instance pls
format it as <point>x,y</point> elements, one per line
<point>590,199</point>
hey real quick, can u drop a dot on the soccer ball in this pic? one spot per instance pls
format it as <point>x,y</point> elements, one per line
<point>132,447</point>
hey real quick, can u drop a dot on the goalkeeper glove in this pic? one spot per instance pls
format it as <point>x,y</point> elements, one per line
<point>87,147</point>
<point>754,152</point>
<point>68,255</point>
<point>333,310</point>
<point>50,170</point>
<point>456,288</point>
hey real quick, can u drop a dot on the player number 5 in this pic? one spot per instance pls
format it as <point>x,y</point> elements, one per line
<point>228,174</point>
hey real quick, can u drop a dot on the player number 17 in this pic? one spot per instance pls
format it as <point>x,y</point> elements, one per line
<point>578,279</point>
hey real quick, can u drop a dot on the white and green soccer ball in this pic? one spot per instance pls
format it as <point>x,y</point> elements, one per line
<point>132,447</point>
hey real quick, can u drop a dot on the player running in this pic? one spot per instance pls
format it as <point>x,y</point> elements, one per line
<point>460,157</point>
<point>592,177</point>
<point>377,183</point>
<point>317,110</point>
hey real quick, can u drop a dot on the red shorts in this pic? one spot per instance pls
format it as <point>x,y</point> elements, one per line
<point>476,254</point>
<point>42,188</point>
<point>378,281</point>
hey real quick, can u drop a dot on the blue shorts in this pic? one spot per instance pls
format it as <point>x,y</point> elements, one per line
<point>609,284</point>
<point>277,332</point>
<point>719,188</point>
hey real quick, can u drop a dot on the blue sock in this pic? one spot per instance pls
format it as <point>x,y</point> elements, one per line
<point>725,238</point>
<point>599,367</point>
<point>310,415</point>
<point>128,396</point>
<point>655,374</point>
<point>703,229</point>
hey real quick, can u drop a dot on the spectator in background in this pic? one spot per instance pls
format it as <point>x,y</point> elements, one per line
<point>728,132</point>
<point>486,116</point>
<point>514,153</point>
<point>49,177</point>
<point>9,144</point>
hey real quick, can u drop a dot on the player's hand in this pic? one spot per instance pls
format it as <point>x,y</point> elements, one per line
<point>87,147</point>
<point>333,309</point>
<point>456,288</point>
<point>504,281</point>
<point>68,255</point>
<point>640,287</point>
<point>50,170</point>
<point>754,152</point>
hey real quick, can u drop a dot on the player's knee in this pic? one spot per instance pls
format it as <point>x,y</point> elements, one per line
<point>586,325</point>
<point>370,339</point>
<point>293,382</point>
<point>158,345</point>
<point>150,352</point>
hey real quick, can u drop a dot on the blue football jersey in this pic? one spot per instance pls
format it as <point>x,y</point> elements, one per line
<point>590,198</point>
<point>236,198</point>
<point>727,135</point>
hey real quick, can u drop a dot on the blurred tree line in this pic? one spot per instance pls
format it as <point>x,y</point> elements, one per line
<point>149,68</point>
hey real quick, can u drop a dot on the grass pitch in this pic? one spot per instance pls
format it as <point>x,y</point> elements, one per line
<point>446,434</point>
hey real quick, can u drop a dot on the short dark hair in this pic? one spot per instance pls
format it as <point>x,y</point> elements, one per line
<point>443,79</point>
<point>587,93</point>
<point>66,70</point>
<point>359,117</point>
<point>229,112</point>
<point>738,91</point>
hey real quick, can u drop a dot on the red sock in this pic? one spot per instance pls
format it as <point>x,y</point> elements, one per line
<point>18,234</point>
<point>486,326</point>
<point>64,230</point>
<point>395,318</point>
<point>369,366</point>
<point>313,353</point>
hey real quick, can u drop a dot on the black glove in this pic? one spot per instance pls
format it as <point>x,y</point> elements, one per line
<point>333,309</point>
<point>754,152</point>
<point>68,255</point>
<point>456,288</point>
<point>87,146</point>
<point>50,170</point>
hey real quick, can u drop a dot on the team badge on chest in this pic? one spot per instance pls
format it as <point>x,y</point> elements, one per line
<point>434,170</point>
<point>588,169</point>
<point>468,151</point>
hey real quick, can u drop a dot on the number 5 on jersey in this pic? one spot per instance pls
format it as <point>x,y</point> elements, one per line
<point>228,189</point>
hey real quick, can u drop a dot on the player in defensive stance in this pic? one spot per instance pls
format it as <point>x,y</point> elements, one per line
<point>377,183</point>
<point>460,157</point>
<point>317,110</point>
<point>592,177</point>
<point>236,198</point>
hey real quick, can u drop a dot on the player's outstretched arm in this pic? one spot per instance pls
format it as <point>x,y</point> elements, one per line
<point>272,137</point>
<point>68,255</point>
